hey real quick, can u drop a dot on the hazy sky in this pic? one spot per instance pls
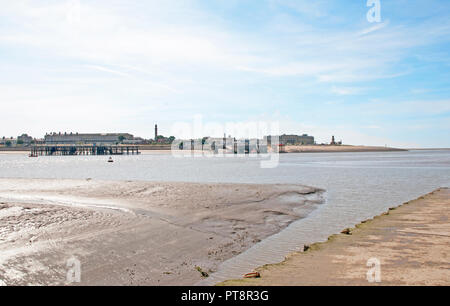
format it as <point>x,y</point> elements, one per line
<point>317,67</point>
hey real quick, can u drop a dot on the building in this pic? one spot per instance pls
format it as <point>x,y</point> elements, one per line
<point>284,139</point>
<point>136,140</point>
<point>225,145</point>
<point>25,139</point>
<point>334,142</point>
<point>75,138</point>
<point>8,141</point>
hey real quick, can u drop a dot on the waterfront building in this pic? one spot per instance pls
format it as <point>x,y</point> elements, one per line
<point>76,138</point>
<point>284,139</point>
<point>25,139</point>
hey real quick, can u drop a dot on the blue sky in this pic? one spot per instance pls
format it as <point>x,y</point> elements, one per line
<point>317,67</point>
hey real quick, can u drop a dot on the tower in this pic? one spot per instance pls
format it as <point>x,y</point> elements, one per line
<point>333,142</point>
<point>156,132</point>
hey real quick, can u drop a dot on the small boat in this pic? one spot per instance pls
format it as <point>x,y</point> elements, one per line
<point>110,160</point>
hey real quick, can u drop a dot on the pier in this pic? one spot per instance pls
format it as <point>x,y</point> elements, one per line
<point>91,149</point>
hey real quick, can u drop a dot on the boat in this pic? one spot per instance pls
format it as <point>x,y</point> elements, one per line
<point>110,160</point>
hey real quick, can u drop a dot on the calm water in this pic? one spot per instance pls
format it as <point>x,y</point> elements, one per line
<point>359,186</point>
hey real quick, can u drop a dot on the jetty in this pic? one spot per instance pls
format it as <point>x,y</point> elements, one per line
<point>85,149</point>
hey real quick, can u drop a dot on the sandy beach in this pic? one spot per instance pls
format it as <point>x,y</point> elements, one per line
<point>411,243</point>
<point>336,149</point>
<point>136,233</point>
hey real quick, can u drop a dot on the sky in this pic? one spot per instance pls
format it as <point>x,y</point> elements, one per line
<point>317,67</point>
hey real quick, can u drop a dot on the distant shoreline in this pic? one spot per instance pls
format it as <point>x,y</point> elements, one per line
<point>166,149</point>
<point>20,149</point>
<point>339,148</point>
<point>428,149</point>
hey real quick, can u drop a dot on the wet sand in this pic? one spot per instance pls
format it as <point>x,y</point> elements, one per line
<point>340,148</point>
<point>411,242</point>
<point>15,152</point>
<point>136,233</point>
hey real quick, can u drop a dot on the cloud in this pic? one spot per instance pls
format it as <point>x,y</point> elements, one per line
<point>348,133</point>
<point>105,34</point>
<point>407,107</point>
<point>344,91</point>
<point>103,69</point>
<point>344,55</point>
<point>317,8</point>
<point>374,28</point>
<point>108,35</point>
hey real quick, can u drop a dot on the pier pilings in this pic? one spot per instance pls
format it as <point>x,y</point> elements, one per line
<point>67,149</point>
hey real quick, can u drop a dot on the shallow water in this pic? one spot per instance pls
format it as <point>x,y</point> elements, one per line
<point>359,186</point>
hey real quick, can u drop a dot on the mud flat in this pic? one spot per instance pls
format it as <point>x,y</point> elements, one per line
<point>411,242</point>
<point>136,233</point>
<point>340,148</point>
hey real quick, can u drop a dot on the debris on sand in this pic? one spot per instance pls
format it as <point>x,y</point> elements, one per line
<point>252,275</point>
<point>203,273</point>
<point>347,231</point>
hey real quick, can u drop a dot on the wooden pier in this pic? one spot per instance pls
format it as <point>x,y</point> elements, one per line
<point>86,149</point>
